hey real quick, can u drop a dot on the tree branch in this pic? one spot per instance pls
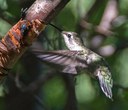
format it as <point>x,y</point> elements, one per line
<point>22,34</point>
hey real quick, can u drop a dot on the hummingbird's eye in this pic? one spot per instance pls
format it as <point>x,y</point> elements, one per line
<point>69,35</point>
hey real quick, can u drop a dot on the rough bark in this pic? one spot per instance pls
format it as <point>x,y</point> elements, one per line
<point>18,38</point>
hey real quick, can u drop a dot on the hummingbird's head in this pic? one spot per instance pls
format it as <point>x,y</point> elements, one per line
<point>71,40</point>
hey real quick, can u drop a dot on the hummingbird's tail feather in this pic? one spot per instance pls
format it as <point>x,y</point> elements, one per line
<point>105,81</point>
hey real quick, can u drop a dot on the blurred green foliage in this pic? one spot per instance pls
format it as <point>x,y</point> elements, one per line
<point>88,94</point>
<point>54,93</point>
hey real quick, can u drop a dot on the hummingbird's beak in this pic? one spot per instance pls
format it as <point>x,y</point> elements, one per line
<point>59,29</point>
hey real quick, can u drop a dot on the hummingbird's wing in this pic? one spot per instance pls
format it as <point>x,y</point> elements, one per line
<point>70,60</point>
<point>64,58</point>
<point>105,80</point>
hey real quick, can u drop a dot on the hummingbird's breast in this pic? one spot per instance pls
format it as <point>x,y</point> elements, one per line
<point>73,47</point>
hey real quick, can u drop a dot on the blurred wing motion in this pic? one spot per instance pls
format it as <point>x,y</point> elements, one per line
<point>68,60</point>
<point>104,77</point>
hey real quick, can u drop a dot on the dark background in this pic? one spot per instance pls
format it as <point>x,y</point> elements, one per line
<point>31,85</point>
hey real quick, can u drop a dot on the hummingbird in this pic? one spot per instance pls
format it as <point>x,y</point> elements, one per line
<point>79,56</point>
